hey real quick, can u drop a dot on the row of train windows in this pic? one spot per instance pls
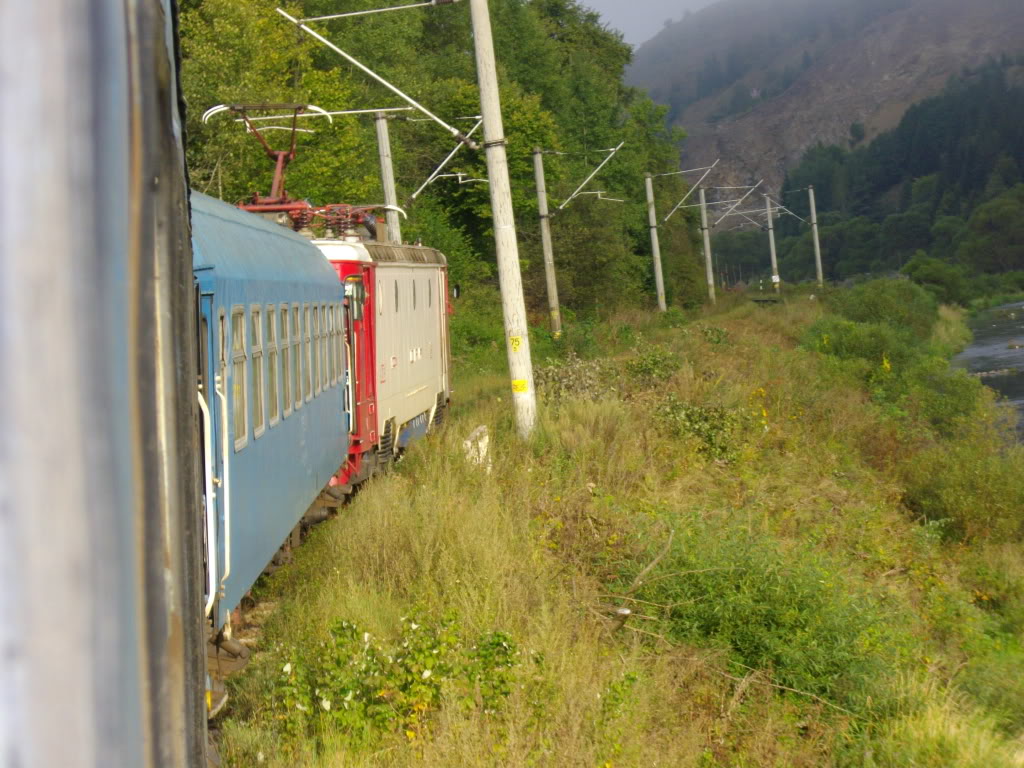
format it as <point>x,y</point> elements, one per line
<point>380,295</point>
<point>284,356</point>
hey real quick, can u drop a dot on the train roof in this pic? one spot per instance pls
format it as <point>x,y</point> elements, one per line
<point>379,253</point>
<point>241,245</point>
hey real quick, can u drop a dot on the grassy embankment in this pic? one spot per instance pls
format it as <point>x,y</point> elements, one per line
<point>815,523</point>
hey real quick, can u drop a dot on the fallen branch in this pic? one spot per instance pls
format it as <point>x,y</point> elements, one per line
<point>639,580</point>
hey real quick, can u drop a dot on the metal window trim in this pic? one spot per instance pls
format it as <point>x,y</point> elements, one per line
<point>297,352</point>
<point>284,346</point>
<point>243,358</point>
<point>325,371</point>
<point>307,384</point>
<point>317,376</point>
<point>258,368</point>
<point>273,353</point>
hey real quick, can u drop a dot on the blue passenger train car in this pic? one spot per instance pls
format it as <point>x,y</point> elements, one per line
<point>272,367</point>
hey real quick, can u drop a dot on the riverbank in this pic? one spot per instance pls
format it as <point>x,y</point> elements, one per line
<point>996,354</point>
<point>814,524</point>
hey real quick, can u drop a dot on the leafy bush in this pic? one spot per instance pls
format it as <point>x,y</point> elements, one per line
<point>995,682</point>
<point>978,490</point>
<point>788,611</point>
<point>575,377</point>
<point>354,686</point>
<point>946,398</point>
<point>946,282</point>
<point>673,317</point>
<point>715,429</point>
<point>873,342</point>
<point>652,364</point>
<point>898,303</point>
<point>713,334</point>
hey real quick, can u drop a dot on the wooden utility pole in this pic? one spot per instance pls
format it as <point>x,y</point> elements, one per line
<point>545,239</point>
<point>708,267</point>
<point>817,244</point>
<point>387,178</point>
<point>517,338</point>
<point>652,220</point>
<point>776,281</point>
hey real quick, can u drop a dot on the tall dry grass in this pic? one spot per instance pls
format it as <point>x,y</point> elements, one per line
<point>804,525</point>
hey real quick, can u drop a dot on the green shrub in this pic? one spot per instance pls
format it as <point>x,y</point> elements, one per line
<point>873,342</point>
<point>899,303</point>
<point>354,686</point>
<point>946,398</point>
<point>673,317</point>
<point>788,611</point>
<point>576,377</point>
<point>995,575</point>
<point>652,363</point>
<point>713,334</point>
<point>995,681</point>
<point>716,429</point>
<point>978,489</point>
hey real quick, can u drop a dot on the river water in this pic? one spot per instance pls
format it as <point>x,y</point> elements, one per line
<point>992,354</point>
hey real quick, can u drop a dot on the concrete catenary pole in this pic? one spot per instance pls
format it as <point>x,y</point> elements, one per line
<point>652,219</point>
<point>817,243</point>
<point>517,338</point>
<point>771,242</point>
<point>387,178</point>
<point>708,266</point>
<point>545,239</point>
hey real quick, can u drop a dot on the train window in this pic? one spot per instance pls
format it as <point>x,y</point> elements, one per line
<point>273,396</point>
<point>339,327</point>
<point>325,342</point>
<point>396,295</point>
<point>256,339</point>
<point>316,349</point>
<point>297,354</point>
<point>239,385</point>
<point>380,298</point>
<point>307,383</point>
<point>430,293</point>
<point>331,345</point>
<point>286,349</point>
<point>414,293</point>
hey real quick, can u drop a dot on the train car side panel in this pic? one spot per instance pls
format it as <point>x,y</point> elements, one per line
<point>278,455</point>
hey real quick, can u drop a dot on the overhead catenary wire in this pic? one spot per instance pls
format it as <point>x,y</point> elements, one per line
<point>689,192</point>
<point>444,163</point>
<point>366,70</point>
<point>736,205</point>
<point>594,173</point>
<point>343,112</point>
<point>379,10</point>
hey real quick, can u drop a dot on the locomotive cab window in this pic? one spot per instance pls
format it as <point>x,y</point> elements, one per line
<point>239,385</point>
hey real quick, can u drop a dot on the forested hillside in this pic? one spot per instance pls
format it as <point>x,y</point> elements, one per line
<point>757,84</point>
<point>940,195</point>
<point>562,89</point>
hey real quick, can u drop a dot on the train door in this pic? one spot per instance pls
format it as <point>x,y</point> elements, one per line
<point>213,350</point>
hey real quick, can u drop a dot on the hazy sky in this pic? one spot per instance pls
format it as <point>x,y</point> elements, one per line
<point>640,20</point>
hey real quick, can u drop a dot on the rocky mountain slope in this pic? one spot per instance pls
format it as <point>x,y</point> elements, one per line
<point>756,84</point>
